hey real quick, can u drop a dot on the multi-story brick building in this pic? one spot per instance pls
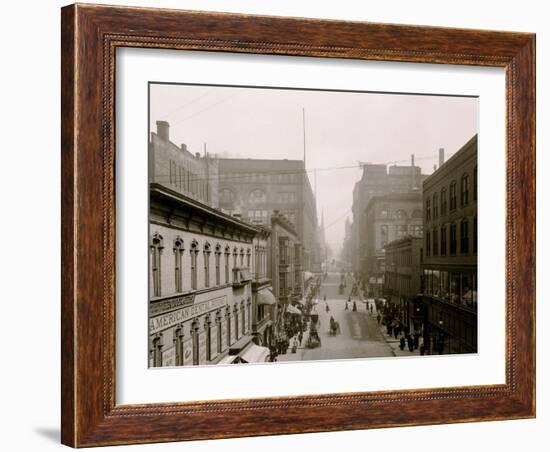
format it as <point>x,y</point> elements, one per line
<point>388,217</point>
<point>254,188</point>
<point>450,253</point>
<point>403,279</point>
<point>192,175</point>
<point>377,180</point>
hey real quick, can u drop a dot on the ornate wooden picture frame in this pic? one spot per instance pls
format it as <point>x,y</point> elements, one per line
<point>90,37</point>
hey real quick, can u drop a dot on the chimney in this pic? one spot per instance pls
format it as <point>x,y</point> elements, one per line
<point>163,130</point>
<point>183,147</point>
<point>198,155</point>
<point>441,157</point>
<point>412,160</point>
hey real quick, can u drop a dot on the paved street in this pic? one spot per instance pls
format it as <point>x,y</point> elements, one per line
<point>360,335</point>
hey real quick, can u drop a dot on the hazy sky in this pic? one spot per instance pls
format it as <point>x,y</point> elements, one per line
<point>342,129</point>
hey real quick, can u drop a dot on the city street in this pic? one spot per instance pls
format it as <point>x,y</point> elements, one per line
<point>360,336</point>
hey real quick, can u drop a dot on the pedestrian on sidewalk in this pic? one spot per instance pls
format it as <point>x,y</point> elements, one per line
<point>300,337</point>
<point>410,342</point>
<point>379,318</point>
<point>402,343</point>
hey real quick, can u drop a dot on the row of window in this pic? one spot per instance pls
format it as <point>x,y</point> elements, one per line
<point>265,177</point>
<point>454,287</point>
<point>258,196</point>
<point>444,241</point>
<point>399,214</point>
<point>240,258</point>
<point>436,206</point>
<point>189,182</point>
<point>400,231</point>
<point>233,325</point>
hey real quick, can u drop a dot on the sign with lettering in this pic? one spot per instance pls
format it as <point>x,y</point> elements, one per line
<point>188,352</point>
<point>169,357</point>
<point>157,307</point>
<point>170,319</point>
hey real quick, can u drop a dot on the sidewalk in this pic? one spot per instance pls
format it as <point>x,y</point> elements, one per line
<point>394,344</point>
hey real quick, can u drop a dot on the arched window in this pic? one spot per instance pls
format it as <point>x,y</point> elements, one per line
<point>428,244</point>
<point>158,344</point>
<point>452,196</point>
<point>435,205</point>
<point>226,254</point>
<point>236,317</point>
<point>178,344</point>
<point>248,255</point>
<point>452,238</point>
<point>193,252</point>
<point>156,250</point>
<point>435,238</point>
<point>443,248</point>
<point>195,338</point>
<point>235,254</point>
<point>226,195</point>
<point>257,196</point>
<point>178,269</point>
<point>416,214</point>
<point>206,255</point>
<point>464,190</point>
<point>208,333</point>
<point>242,257</point>
<point>217,259</point>
<point>443,201</point>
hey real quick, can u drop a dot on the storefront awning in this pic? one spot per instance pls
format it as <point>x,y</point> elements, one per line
<point>292,310</point>
<point>266,297</point>
<point>308,276</point>
<point>255,354</point>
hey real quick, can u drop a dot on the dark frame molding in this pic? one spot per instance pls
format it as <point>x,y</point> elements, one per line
<point>90,35</point>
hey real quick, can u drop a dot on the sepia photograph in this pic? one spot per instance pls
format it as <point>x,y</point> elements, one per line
<point>291,224</point>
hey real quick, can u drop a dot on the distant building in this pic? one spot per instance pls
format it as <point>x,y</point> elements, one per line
<point>403,279</point>
<point>377,180</point>
<point>174,166</point>
<point>254,188</point>
<point>450,253</point>
<point>388,217</point>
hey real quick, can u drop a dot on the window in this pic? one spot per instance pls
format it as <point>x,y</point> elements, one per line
<point>452,239</point>
<point>428,210</point>
<point>383,235</point>
<point>435,239</point>
<point>208,332</point>
<point>236,317</point>
<point>415,230</point>
<point>156,251</point>
<point>287,197</point>
<point>416,214</point>
<point>228,324</point>
<point>242,257</point>
<point>452,196</point>
<point>178,253</point>
<point>428,244</point>
<point>206,254</point>
<point>193,252</point>
<point>443,201</point>
<point>257,196</point>
<point>464,245</point>
<point>435,206</point>
<point>401,215</point>
<point>178,344</point>
<point>226,196</point>
<point>248,258</point>
<point>443,249</point>
<point>256,216</point>
<point>401,230</point>
<point>172,172</point>
<point>227,252</point>
<point>195,338</point>
<point>157,350</point>
<point>219,331</point>
<point>217,258</point>
<point>464,190</point>
<point>235,254</point>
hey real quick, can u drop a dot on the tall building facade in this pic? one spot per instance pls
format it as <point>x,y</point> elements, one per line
<point>377,180</point>
<point>450,253</point>
<point>254,188</point>
<point>388,217</point>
